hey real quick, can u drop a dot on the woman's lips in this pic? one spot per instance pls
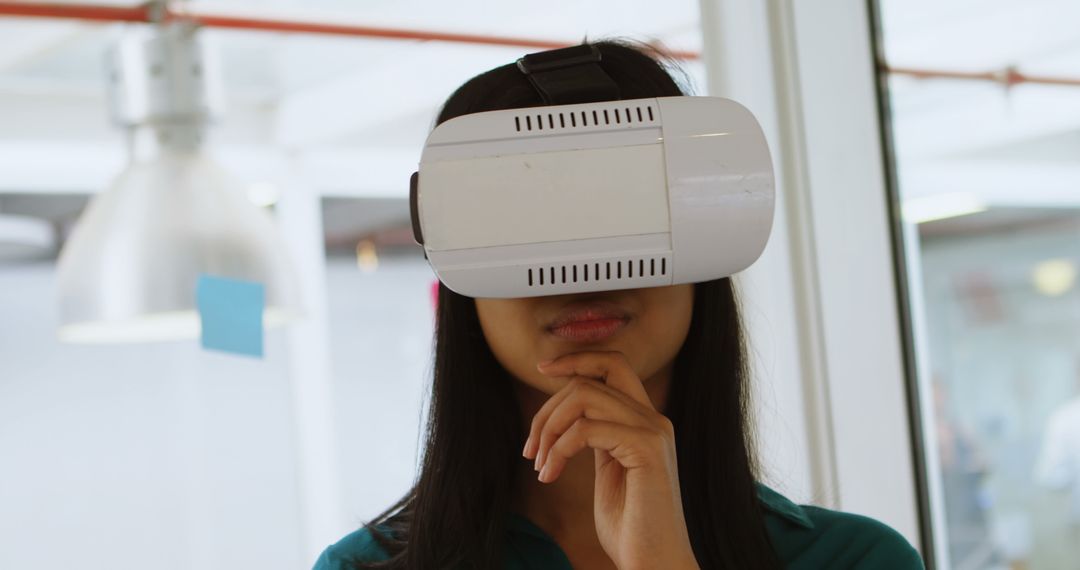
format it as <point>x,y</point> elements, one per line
<point>589,322</point>
<point>589,331</point>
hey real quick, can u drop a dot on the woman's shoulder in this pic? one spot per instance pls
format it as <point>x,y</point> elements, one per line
<point>357,546</point>
<point>807,536</point>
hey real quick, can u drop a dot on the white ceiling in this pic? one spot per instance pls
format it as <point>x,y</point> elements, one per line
<point>335,95</point>
<point>356,110</point>
<point>979,35</point>
<point>937,119</point>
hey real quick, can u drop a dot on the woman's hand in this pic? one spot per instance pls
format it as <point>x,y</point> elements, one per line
<point>636,501</point>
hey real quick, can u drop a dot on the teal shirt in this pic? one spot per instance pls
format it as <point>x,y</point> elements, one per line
<point>805,537</point>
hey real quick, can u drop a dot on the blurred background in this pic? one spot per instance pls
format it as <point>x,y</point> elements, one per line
<point>989,179</point>
<point>115,454</point>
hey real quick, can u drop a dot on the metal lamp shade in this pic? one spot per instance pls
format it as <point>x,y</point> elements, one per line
<point>129,271</point>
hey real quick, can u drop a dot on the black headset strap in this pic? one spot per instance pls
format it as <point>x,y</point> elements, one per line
<point>569,75</point>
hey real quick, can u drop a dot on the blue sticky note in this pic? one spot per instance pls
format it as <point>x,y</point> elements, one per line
<point>231,311</point>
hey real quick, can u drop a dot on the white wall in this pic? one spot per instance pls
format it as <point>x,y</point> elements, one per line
<point>159,456</point>
<point>170,456</point>
<point>381,327</point>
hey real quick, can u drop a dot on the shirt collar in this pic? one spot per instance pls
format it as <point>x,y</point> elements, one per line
<point>783,507</point>
<point>519,523</point>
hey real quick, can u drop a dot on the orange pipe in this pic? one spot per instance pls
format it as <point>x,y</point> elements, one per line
<point>240,23</point>
<point>1007,77</point>
<point>94,13</point>
<point>144,13</point>
<point>245,23</point>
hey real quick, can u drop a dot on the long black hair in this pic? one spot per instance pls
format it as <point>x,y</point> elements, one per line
<point>454,515</point>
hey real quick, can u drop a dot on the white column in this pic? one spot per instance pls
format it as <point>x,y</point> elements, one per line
<point>299,214</point>
<point>827,325</point>
<point>779,290</point>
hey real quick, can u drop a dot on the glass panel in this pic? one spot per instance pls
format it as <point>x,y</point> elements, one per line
<point>985,105</point>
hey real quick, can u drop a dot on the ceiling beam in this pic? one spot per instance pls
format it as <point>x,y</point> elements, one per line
<point>996,183</point>
<point>972,119</point>
<point>45,168</point>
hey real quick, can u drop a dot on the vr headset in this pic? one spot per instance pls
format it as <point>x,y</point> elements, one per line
<point>579,196</point>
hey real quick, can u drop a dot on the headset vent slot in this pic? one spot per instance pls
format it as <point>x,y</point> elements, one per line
<point>592,272</point>
<point>571,120</point>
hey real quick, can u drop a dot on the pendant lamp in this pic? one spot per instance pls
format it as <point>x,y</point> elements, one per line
<point>129,270</point>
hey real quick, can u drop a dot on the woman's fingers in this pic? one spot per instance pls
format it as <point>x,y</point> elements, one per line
<point>583,398</point>
<point>532,443</point>
<point>609,366</point>
<point>631,446</point>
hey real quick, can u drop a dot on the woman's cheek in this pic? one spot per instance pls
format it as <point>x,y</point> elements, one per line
<point>509,333</point>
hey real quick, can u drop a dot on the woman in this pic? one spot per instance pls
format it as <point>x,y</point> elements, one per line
<point>529,385</point>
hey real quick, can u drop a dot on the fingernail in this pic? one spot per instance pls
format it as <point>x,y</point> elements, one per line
<point>544,363</point>
<point>525,449</point>
<point>536,463</point>
<point>543,474</point>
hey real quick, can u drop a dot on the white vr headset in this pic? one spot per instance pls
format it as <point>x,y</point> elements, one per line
<point>593,196</point>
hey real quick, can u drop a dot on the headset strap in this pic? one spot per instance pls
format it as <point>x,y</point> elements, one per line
<point>569,75</point>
